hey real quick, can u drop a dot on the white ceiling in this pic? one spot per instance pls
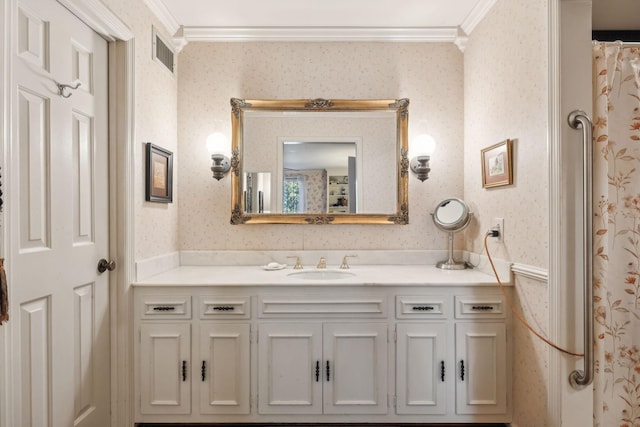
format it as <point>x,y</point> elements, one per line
<point>320,13</point>
<point>429,20</point>
<point>357,20</point>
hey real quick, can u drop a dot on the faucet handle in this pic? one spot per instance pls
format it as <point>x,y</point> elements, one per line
<point>344,264</point>
<point>298,265</point>
<point>322,263</point>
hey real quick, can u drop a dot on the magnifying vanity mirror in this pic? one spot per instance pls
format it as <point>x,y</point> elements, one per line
<point>451,215</point>
<point>319,161</point>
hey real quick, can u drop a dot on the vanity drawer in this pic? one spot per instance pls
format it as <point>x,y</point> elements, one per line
<point>371,306</point>
<point>422,307</point>
<point>487,306</point>
<point>165,307</point>
<point>215,307</point>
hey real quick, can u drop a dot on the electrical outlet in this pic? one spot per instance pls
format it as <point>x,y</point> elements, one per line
<point>498,224</point>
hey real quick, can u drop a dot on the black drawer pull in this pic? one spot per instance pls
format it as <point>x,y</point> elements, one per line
<point>223,308</point>
<point>462,370</point>
<point>482,307</point>
<point>442,371</point>
<point>328,371</point>
<point>317,371</point>
<point>203,370</point>
<point>164,308</point>
<point>423,308</point>
<point>184,370</point>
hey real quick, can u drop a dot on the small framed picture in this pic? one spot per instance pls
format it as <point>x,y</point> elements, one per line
<point>497,165</point>
<point>159,178</point>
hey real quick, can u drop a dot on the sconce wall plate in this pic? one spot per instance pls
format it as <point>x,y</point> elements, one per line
<point>221,166</point>
<point>420,166</point>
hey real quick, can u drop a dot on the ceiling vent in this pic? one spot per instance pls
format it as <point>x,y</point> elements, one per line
<point>162,53</point>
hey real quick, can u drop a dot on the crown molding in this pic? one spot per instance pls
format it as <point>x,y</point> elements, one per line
<point>476,15</point>
<point>319,34</point>
<point>100,18</point>
<point>166,18</point>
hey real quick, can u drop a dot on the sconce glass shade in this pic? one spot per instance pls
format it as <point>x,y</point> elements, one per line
<point>217,143</point>
<point>218,147</point>
<point>422,147</point>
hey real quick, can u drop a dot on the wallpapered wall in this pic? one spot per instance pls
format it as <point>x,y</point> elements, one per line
<point>506,96</point>
<point>430,74</point>
<point>156,224</point>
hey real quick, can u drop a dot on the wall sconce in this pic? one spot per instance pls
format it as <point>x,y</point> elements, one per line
<point>422,148</point>
<point>218,147</point>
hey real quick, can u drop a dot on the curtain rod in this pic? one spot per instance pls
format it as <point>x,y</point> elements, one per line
<point>623,43</point>
<point>627,37</point>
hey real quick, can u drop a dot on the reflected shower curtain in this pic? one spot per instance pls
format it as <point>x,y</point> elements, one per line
<point>616,193</point>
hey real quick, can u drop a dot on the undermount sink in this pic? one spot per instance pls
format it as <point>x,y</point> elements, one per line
<point>320,275</point>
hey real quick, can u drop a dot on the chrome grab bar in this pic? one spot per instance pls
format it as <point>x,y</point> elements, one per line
<point>580,379</point>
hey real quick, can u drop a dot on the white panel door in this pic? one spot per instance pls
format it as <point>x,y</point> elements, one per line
<point>289,368</point>
<point>223,369</point>
<point>58,176</point>
<point>421,368</point>
<point>355,354</point>
<point>481,384</point>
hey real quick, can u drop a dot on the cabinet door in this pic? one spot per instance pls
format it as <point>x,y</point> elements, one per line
<point>223,368</point>
<point>421,368</point>
<point>289,368</point>
<point>356,356</point>
<point>165,386</point>
<point>481,356</point>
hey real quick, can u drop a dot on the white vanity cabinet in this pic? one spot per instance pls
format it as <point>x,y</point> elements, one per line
<point>191,365</point>
<point>459,376</point>
<point>323,353</point>
<point>481,355</point>
<point>322,367</point>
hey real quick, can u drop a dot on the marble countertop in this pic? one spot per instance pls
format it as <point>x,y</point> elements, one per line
<point>362,275</point>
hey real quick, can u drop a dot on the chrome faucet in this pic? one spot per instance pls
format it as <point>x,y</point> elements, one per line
<point>322,263</point>
<point>344,264</point>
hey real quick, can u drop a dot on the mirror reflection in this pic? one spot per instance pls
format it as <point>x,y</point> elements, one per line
<point>319,177</point>
<point>320,161</point>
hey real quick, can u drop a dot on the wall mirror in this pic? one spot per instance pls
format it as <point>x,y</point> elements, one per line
<point>319,161</point>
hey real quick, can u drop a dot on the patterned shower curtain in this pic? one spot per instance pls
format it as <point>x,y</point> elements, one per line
<point>616,193</point>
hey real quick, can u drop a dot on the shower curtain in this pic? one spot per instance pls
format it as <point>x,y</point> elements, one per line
<point>616,198</point>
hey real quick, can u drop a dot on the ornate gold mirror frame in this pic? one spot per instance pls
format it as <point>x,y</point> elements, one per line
<point>401,108</point>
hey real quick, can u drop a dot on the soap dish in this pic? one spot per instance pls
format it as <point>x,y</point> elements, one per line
<point>272,266</point>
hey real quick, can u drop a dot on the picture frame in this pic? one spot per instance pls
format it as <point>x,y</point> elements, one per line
<point>159,174</point>
<point>497,164</point>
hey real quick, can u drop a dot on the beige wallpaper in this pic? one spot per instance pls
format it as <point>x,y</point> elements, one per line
<point>430,74</point>
<point>156,224</point>
<point>506,96</point>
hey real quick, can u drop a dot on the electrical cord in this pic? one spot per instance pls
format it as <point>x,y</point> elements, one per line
<point>495,233</point>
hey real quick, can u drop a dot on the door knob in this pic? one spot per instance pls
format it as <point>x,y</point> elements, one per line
<point>104,265</point>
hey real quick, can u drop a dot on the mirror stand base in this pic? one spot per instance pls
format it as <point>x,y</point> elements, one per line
<point>452,265</point>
